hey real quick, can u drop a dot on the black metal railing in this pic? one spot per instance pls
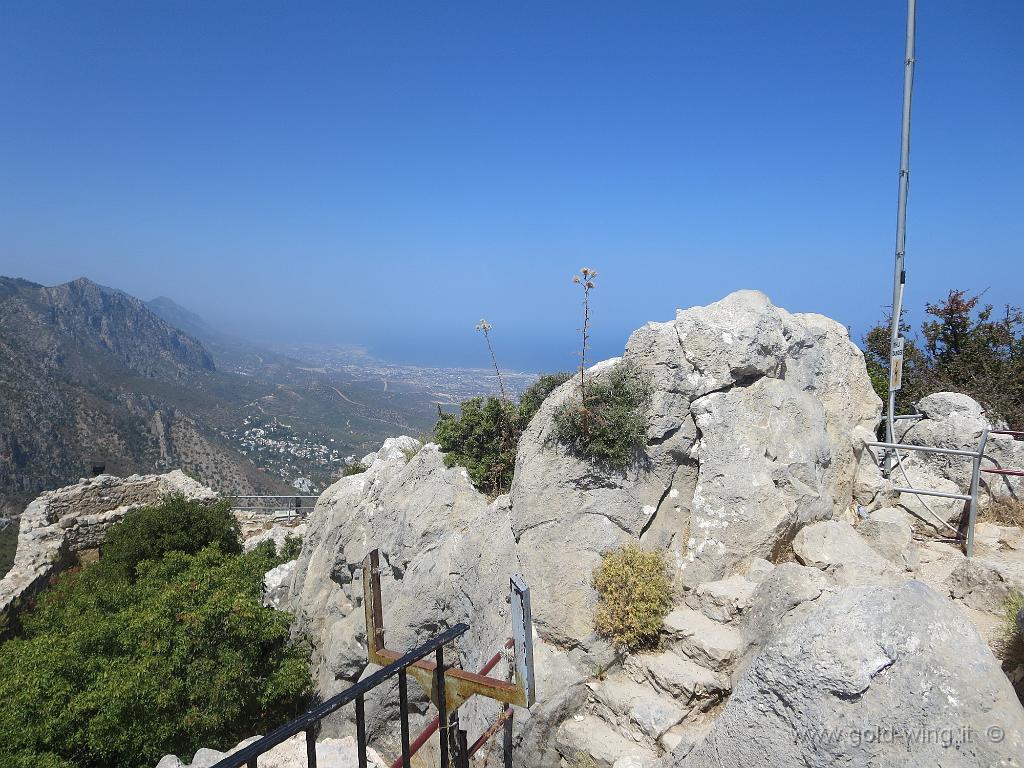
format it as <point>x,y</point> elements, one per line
<point>308,721</point>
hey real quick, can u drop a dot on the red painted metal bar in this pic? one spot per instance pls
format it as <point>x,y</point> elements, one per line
<point>436,722</point>
<point>997,471</point>
<point>506,712</point>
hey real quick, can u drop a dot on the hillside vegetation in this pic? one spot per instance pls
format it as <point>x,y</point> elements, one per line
<point>162,646</point>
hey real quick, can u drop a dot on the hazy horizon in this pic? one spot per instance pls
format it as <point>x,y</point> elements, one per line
<point>386,175</point>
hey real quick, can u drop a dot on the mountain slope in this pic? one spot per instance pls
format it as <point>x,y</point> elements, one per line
<point>88,374</point>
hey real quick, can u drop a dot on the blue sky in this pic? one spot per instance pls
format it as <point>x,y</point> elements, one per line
<point>387,173</point>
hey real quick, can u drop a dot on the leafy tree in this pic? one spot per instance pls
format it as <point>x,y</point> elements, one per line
<point>965,346</point>
<point>174,525</point>
<point>975,350</point>
<point>117,666</point>
<point>484,436</point>
<point>915,366</point>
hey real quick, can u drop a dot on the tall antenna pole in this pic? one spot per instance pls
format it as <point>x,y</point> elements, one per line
<point>899,278</point>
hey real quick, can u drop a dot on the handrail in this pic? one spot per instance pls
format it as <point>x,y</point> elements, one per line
<point>289,496</point>
<point>976,470</point>
<point>249,754</point>
<point>924,449</point>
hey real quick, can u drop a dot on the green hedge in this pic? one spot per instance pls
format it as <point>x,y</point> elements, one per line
<point>176,525</point>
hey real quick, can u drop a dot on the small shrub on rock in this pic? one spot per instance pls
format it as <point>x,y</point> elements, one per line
<point>608,425</point>
<point>583,760</point>
<point>1003,510</point>
<point>356,468</point>
<point>484,436</point>
<point>290,549</point>
<point>1012,645</point>
<point>634,595</point>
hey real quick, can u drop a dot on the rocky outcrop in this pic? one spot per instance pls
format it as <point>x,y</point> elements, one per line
<point>871,677</point>
<point>278,533</point>
<point>754,455</point>
<point>276,585</point>
<point>62,523</point>
<point>757,424</point>
<point>446,556</point>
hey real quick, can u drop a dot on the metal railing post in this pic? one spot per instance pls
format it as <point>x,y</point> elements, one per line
<point>311,747</point>
<point>972,513</point>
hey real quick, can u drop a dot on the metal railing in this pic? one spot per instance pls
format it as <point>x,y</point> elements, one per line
<point>308,722</point>
<point>298,506</point>
<point>976,456</point>
<point>503,719</point>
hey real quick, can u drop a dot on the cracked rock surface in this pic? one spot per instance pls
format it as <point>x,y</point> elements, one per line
<point>875,676</point>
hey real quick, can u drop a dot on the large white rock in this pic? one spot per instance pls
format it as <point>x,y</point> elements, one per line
<point>877,675</point>
<point>446,557</point>
<point>330,753</point>
<point>756,427</point>
<point>836,548</point>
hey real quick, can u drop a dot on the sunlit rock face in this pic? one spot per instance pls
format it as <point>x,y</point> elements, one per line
<point>757,424</point>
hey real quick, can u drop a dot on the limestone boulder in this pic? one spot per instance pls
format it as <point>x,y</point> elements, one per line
<point>986,584</point>
<point>891,539</point>
<point>756,428</point>
<point>335,753</point>
<point>870,677</point>
<point>836,548</point>
<point>784,595</point>
<point>446,557</point>
<point>275,585</point>
<point>954,420</point>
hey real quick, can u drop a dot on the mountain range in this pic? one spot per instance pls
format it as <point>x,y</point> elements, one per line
<point>92,375</point>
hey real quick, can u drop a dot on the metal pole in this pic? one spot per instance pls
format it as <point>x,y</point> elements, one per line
<point>899,272</point>
<point>972,513</point>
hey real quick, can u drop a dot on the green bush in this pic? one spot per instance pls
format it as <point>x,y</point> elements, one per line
<point>356,468</point>
<point>634,595</point>
<point>291,548</point>
<point>534,395</point>
<point>115,667</point>
<point>484,436</point>
<point>174,525</point>
<point>608,426</point>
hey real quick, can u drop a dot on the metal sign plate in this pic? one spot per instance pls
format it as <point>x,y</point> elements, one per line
<point>896,365</point>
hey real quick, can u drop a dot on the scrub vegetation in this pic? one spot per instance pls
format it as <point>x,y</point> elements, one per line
<point>163,646</point>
